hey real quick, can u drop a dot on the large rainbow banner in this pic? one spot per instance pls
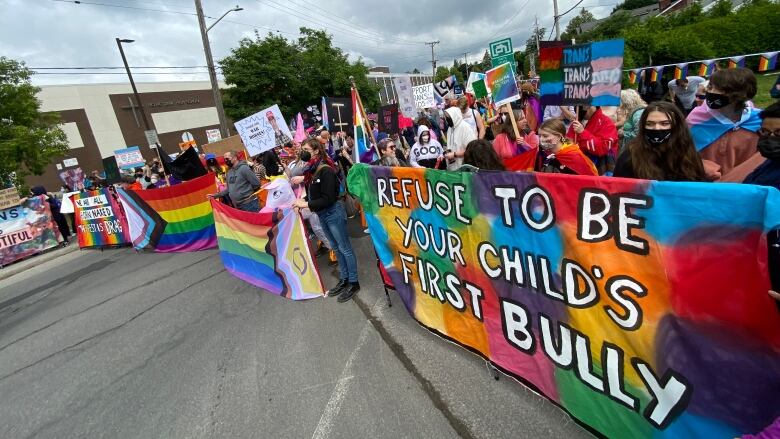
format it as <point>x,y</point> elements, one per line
<point>268,250</point>
<point>582,74</point>
<point>639,307</point>
<point>172,219</point>
<point>100,221</point>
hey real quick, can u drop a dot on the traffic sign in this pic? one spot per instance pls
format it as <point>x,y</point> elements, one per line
<point>503,59</point>
<point>501,47</point>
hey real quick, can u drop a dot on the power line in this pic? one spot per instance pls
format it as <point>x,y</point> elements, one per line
<point>79,2</point>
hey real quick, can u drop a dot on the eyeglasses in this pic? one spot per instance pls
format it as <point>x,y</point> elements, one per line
<point>391,146</point>
<point>762,132</point>
<point>702,97</point>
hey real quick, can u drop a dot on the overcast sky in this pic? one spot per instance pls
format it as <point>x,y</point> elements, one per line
<point>55,33</point>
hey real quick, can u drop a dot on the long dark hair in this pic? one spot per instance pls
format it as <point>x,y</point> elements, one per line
<point>480,154</point>
<point>676,159</point>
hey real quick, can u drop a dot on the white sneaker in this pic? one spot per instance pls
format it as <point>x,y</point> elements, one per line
<point>366,231</point>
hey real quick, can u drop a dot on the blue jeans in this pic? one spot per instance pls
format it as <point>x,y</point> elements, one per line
<point>252,205</point>
<point>334,223</point>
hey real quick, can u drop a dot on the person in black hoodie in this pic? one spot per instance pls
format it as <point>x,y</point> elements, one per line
<point>322,187</point>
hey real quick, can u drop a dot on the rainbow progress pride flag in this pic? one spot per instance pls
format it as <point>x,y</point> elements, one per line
<point>267,251</point>
<point>185,210</point>
<point>639,307</point>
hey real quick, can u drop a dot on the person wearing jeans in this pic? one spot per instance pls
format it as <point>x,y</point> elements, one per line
<point>322,188</point>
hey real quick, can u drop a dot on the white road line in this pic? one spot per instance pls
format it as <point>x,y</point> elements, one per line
<point>333,407</point>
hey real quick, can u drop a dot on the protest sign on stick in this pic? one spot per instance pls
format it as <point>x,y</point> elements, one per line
<point>406,102</point>
<point>423,96</point>
<point>264,130</point>
<point>129,158</point>
<point>502,85</point>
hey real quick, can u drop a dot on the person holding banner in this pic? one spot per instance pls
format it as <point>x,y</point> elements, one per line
<point>663,150</point>
<point>597,137</point>
<point>480,156</point>
<point>322,188</point>
<point>506,144</point>
<point>558,155</point>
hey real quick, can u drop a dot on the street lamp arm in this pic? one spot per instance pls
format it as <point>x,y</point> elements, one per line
<point>236,9</point>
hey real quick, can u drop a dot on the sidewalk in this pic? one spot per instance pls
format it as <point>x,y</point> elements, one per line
<point>40,258</point>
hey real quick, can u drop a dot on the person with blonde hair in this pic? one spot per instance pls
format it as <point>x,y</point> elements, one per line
<point>558,155</point>
<point>631,108</point>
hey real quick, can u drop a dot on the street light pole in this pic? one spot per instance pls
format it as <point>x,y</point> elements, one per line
<point>132,83</point>
<point>223,126</point>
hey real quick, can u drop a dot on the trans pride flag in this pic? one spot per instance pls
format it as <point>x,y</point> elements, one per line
<point>267,252</point>
<point>183,212</point>
<point>365,152</point>
<point>640,307</point>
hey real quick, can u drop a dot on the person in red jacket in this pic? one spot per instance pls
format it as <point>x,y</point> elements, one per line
<point>597,137</point>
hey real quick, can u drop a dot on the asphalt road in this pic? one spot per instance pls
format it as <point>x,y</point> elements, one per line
<point>117,344</point>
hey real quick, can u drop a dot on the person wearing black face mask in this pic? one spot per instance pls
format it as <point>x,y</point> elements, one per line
<point>242,183</point>
<point>663,149</point>
<point>724,127</point>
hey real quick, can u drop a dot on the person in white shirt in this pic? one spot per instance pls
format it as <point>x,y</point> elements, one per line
<point>683,92</point>
<point>426,152</point>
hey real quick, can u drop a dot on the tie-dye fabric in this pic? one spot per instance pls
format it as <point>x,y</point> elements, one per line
<point>639,307</point>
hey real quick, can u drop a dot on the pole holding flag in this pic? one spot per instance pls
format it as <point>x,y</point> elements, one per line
<point>365,144</point>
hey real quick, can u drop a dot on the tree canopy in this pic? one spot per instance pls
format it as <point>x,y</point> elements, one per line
<point>29,139</point>
<point>293,74</point>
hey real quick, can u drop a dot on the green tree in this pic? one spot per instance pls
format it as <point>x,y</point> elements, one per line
<point>416,70</point>
<point>292,74</point>
<point>573,28</point>
<point>442,73</point>
<point>29,139</point>
<point>721,8</point>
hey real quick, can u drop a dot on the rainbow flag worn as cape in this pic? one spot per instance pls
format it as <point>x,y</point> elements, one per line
<point>186,210</point>
<point>572,156</point>
<point>707,125</point>
<point>267,252</point>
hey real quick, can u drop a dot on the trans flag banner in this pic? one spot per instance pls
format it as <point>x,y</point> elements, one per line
<point>640,307</point>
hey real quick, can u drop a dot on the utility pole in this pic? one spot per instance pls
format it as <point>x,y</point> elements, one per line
<point>223,126</point>
<point>433,57</point>
<point>536,33</point>
<point>466,61</point>
<point>556,21</point>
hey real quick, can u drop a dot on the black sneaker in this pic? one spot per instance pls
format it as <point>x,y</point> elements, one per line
<point>349,291</point>
<point>338,289</point>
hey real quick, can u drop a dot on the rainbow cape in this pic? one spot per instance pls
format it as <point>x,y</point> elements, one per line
<point>572,156</point>
<point>185,211</point>
<point>267,252</point>
<point>708,125</point>
<point>100,221</point>
<point>548,285</point>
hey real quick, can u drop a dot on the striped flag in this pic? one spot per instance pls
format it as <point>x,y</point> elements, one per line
<point>707,67</point>
<point>632,75</point>
<point>736,61</point>
<point>768,61</point>
<point>325,120</point>
<point>364,150</point>
<point>656,73</point>
<point>681,71</point>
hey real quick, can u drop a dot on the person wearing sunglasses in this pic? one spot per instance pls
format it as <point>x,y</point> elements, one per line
<point>387,148</point>
<point>768,173</point>
<point>701,94</point>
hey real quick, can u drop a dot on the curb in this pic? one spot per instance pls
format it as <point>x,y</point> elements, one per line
<point>40,258</point>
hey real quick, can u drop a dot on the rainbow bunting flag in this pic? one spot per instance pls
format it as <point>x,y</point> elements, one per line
<point>656,72</point>
<point>768,61</point>
<point>365,152</point>
<point>267,252</point>
<point>99,220</point>
<point>680,71</point>
<point>184,210</point>
<point>707,67</point>
<point>736,61</point>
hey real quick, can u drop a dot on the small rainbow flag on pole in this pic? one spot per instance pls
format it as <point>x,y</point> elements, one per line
<point>736,61</point>
<point>267,252</point>
<point>632,75</point>
<point>707,67</point>
<point>680,71</point>
<point>768,61</point>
